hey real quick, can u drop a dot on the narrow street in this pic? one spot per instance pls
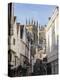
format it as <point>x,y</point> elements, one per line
<point>32,46</point>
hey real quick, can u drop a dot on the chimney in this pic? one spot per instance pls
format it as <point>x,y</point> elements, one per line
<point>18,27</point>
<point>49,18</point>
<point>57,7</point>
<point>45,25</point>
<point>14,18</point>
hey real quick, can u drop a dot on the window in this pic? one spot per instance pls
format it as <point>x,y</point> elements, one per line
<point>40,55</point>
<point>15,60</point>
<point>14,41</point>
<point>48,44</point>
<point>9,41</point>
<point>34,36</point>
<point>21,31</point>
<point>9,56</point>
<point>41,40</point>
<point>53,37</point>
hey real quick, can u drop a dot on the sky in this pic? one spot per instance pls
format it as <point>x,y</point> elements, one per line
<point>36,12</point>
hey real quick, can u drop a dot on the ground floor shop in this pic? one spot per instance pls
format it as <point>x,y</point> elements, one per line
<point>52,67</point>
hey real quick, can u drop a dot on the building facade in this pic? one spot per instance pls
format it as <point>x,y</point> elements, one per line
<point>52,43</point>
<point>18,45</point>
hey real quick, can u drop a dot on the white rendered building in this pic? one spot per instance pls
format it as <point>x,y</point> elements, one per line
<point>52,42</point>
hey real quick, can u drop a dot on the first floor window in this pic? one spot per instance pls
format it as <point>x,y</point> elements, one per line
<point>14,41</point>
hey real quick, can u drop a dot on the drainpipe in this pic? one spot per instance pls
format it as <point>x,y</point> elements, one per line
<point>29,51</point>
